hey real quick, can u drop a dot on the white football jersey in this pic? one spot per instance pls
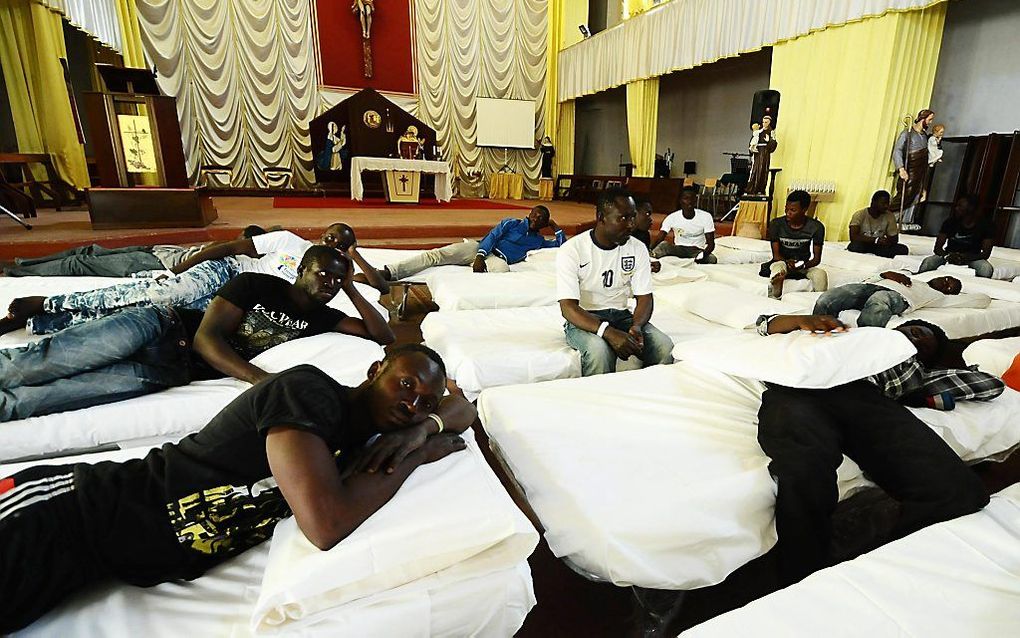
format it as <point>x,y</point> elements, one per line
<point>602,279</point>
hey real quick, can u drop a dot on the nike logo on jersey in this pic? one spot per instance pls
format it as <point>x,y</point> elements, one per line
<point>583,265</point>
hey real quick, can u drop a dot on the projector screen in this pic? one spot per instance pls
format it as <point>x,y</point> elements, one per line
<point>505,123</point>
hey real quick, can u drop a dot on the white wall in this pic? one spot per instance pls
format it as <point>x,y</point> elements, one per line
<point>706,111</point>
<point>977,82</point>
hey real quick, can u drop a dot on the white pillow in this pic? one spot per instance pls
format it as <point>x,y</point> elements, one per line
<point>444,513</point>
<point>800,359</point>
<point>1002,290</point>
<point>675,270</point>
<point>724,305</point>
<point>745,243</point>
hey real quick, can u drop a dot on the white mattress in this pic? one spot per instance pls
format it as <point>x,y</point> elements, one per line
<point>534,285</point>
<point>543,260</point>
<point>994,356</point>
<point>179,411</point>
<point>489,594</point>
<point>175,412</point>
<point>489,348</point>
<point>655,478</point>
<point>745,277</point>
<point>960,323</point>
<point>960,578</point>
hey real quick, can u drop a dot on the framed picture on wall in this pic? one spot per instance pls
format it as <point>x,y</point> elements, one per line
<point>614,183</point>
<point>596,184</point>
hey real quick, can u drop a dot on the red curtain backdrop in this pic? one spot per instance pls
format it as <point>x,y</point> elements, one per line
<point>339,35</point>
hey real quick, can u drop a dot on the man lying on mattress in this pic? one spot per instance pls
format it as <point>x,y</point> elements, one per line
<point>97,261</point>
<point>293,444</point>
<point>508,243</point>
<point>199,277</point>
<point>884,295</point>
<point>142,350</point>
<point>805,433</point>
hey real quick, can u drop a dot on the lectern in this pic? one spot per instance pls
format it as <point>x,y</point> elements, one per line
<point>136,140</point>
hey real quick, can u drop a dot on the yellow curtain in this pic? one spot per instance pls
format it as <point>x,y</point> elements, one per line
<point>632,8</point>
<point>845,93</point>
<point>30,57</point>
<point>642,124</point>
<point>564,16</point>
<point>565,140</point>
<point>131,35</point>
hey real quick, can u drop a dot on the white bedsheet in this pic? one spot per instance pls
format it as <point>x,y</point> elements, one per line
<point>994,356</point>
<point>959,578</point>
<point>466,290</point>
<point>179,411</point>
<point>488,348</point>
<point>655,478</point>
<point>745,277</point>
<point>487,594</point>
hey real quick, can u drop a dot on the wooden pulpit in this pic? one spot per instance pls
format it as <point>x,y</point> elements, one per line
<point>136,140</point>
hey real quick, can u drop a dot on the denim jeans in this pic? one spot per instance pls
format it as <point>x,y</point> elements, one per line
<point>877,304</point>
<point>194,288</point>
<point>128,353</point>
<point>666,249</point>
<point>982,268</point>
<point>459,254</point>
<point>89,261</point>
<point>597,357</point>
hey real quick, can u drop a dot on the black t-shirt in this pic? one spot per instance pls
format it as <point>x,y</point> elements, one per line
<point>642,236</point>
<point>188,506</point>
<point>270,318</point>
<point>966,240</point>
<point>796,243</point>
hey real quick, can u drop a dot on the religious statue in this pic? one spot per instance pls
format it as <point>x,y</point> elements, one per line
<point>364,10</point>
<point>669,156</point>
<point>331,156</point>
<point>935,144</point>
<point>410,146</point>
<point>762,145</point>
<point>548,152</point>
<point>910,157</point>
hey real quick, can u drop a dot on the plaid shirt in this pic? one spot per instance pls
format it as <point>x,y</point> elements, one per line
<point>963,384</point>
<point>912,378</point>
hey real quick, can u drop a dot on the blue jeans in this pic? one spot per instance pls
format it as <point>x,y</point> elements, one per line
<point>597,357</point>
<point>194,288</point>
<point>877,304</point>
<point>128,353</point>
<point>86,261</point>
<point>982,267</point>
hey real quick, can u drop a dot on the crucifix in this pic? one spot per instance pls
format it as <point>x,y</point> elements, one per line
<point>364,10</point>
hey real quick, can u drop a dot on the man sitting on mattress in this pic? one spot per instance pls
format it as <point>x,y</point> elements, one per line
<point>805,433</point>
<point>143,350</point>
<point>508,243</point>
<point>597,274</point>
<point>884,295</point>
<point>797,242</point>
<point>642,228</point>
<point>295,444</point>
<point>198,279</point>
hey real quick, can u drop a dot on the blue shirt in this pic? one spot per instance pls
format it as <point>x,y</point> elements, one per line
<point>511,240</point>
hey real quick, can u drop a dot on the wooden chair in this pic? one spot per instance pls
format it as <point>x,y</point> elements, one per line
<point>708,191</point>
